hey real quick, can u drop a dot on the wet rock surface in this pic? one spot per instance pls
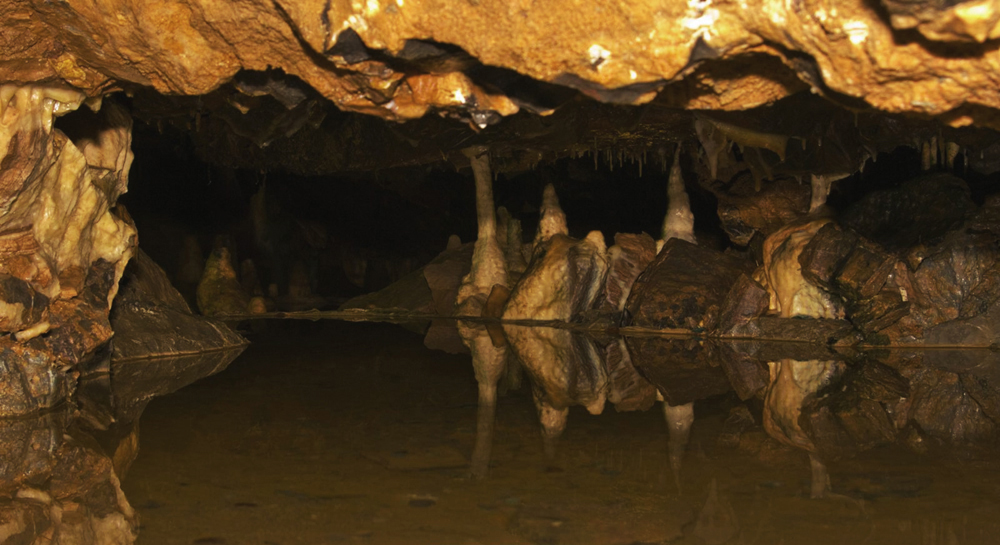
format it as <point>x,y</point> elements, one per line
<point>683,288</point>
<point>151,319</point>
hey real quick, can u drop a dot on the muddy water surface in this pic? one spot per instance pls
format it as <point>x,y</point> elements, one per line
<point>332,432</point>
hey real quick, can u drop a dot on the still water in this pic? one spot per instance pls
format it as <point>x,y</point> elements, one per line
<point>336,432</point>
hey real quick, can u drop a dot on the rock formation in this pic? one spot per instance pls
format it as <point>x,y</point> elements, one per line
<point>488,267</point>
<point>64,245</point>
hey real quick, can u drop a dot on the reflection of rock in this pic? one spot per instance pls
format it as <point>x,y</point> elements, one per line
<point>684,287</point>
<point>565,369</point>
<point>716,523</point>
<point>151,318</point>
<point>792,382</point>
<point>683,370</point>
<point>851,417</point>
<point>134,382</point>
<point>627,389</point>
<point>59,488</point>
<point>939,401</point>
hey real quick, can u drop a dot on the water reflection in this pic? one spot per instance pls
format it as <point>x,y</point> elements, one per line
<point>376,437</point>
<point>828,403</point>
<point>60,471</point>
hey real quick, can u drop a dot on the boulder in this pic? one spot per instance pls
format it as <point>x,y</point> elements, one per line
<point>683,288</point>
<point>563,279</point>
<point>629,256</point>
<point>919,211</point>
<point>151,319</point>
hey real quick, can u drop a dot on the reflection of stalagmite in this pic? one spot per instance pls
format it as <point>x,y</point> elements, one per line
<point>679,421</point>
<point>487,259</point>
<point>791,383</point>
<point>565,369</point>
<point>679,221</point>
<point>489,362</point>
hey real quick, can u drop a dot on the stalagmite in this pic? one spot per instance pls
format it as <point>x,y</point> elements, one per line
<point>821,184</point>
<point>553,220</point>
<point>679,221</point>
<point>951,152</point>
<point>488,267</point>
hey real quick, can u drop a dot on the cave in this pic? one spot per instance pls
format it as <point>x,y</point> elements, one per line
<point>280,232</point>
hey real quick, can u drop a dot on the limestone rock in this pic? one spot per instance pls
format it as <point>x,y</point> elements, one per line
<point>151,318</point>
<point>865,271</point>
<point>64,245</point>
<point>629,256</point>
<point>824,255</point>
<point>919,211</point>
<point>946,280</point>
<point>564,279</point>
<point>20,306</point>
<point>790,292</point>
<point>684,287</point>
<point>848,42</point>
<point>444,275</point>
<point>745,211</point>
<point>746,300</point>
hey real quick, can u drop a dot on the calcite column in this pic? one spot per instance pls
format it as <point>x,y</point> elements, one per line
<point>63,246</point>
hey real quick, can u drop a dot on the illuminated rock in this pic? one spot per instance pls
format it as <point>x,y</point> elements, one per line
<point>63,247</point>
<point>791,294</point>
<point>488,263</point>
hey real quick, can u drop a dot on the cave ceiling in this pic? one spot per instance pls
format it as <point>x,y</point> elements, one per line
<point>280,84</point>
